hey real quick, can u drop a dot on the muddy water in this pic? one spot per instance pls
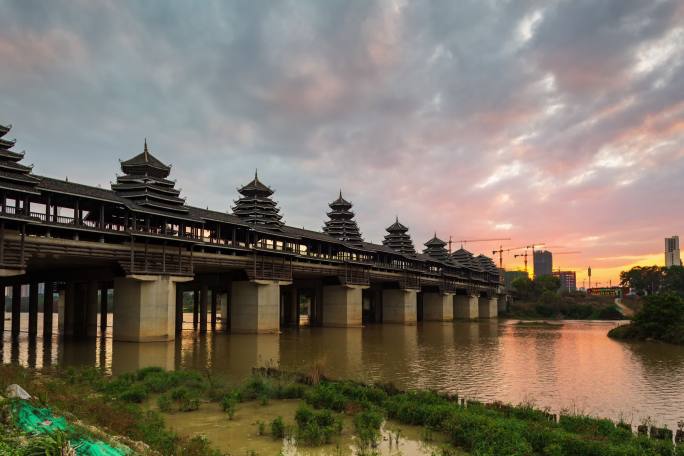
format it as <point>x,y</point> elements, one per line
<point>573,366</point>
<point>241,436</point>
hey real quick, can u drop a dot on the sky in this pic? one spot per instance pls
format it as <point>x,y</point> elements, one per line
<point>557,122</point>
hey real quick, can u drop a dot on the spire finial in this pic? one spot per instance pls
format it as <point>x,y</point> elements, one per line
<point>396,218</point>
<point>256,173</point>
<point>340,193</point>
<point>146,151</point>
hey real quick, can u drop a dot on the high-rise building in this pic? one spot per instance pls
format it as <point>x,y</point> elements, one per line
<point>672,256</point>
<point>543,263</point>
<point>568,279</point>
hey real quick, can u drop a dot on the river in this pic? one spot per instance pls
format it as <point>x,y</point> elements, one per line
<point>569,366</point>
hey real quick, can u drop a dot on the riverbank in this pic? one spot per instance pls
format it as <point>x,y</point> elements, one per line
<point>336,414</point>
<point>661,319</point>
<point>571,306</point>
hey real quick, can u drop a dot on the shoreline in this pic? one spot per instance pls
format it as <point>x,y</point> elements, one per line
<point>469,426</point>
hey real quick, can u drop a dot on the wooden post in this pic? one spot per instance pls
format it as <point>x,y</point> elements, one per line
<point>147,243</point>
<point>104,295</point>
<point>204,300</point>
<point>16,309</point>
<point>23,241</point>
<point>2,242</point>
<point>33,309</point>
<point>3,290</point>
<point>48,309</point>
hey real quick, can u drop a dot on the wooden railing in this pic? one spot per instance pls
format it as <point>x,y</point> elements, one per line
<point>410,281</point>
<point>266,267</point>
<point>355,275</point>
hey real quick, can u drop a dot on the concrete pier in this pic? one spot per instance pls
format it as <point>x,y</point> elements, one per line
<point>48,309</point>
<point>466,307</point>
<point>145,308</point>
<point>255,306</point>
<point>16,310</point>
<point>438,306</point>
<point>343,305</point>
<point>399,306</point>
<point>488,307</point>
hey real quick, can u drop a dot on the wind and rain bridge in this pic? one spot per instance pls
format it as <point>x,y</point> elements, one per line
<point>247,270</point>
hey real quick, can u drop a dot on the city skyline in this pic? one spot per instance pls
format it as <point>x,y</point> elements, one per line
<point>457,130</point>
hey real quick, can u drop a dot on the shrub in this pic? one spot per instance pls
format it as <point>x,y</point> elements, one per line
<point>229,404</point>
<point>316,427</point>
<point>367,426</point>
<point>134,393</point>
<point>164,403</point>
<point>278,428</point>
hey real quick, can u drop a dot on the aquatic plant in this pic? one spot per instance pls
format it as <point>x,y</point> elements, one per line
<point>229,405</point>
<point>316,427</point>
<point>367,428</point>
<point>278,428</point>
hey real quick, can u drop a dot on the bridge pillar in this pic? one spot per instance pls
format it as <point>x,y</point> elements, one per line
<point>466,306</point>
<point>399,306</point>
<point>343,305</point>
<point>145,308</point>
<point>438,306</point>
<point>502,303</point>
<point>488,307</point>
<point>91,308</point>
<point>255,306</point>
<point>65,318</point>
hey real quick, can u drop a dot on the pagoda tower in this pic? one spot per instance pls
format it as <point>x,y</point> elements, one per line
<point>487,264</point>
<point>341,224</point>
<point>436,248</point>
<point>256,205</point>
<point>465,258</point>
<point>145,183</point>
<point>398,239</point>
<point>13,175</point>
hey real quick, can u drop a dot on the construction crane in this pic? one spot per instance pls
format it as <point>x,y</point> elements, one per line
<point>465,241</point>
<point>501,252</point>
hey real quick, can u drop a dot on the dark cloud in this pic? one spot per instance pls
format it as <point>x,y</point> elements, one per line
<point>538,120</point>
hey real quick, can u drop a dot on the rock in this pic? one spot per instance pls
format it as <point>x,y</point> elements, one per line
<point>16,391</point>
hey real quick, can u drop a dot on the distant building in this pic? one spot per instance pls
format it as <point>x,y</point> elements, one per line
<point>510,276</point>
<point>568,279</point>
<point>672,256</point>
<point>543,263</point>
<point>608,291</point>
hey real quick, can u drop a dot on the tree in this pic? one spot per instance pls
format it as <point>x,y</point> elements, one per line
<point>523,288</point>
<point>547,283</point>
<point>662,318</point>
<point>643,279</point>
<point>673,280</point>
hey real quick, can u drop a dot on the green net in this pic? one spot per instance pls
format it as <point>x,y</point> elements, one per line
<point>34,420</point>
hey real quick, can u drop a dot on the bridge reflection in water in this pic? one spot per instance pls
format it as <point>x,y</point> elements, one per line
<point>570,366</point>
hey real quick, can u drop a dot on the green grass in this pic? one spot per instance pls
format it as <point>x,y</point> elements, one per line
<point>113,405</point>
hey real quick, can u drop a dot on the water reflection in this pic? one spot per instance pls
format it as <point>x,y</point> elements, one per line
<point>572,366</point>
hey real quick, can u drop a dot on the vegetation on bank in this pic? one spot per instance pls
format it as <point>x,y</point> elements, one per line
<point>542,298</point>
<point>661,318</point>
<point>113,404</point>
<point>649,280</point>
